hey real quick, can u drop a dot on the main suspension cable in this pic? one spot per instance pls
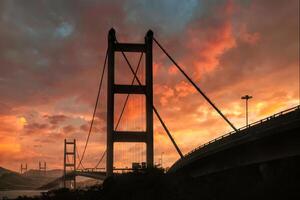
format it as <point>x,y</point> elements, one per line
<point>101,159</point>
<point>95,108</point>
<point>195,86</point>
<point>154,109</point>
<point>78,157</point>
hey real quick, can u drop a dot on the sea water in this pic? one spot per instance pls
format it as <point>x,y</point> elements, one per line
<point>11,194</point>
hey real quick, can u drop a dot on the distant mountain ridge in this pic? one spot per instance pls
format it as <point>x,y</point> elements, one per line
<point>4,171</point>
<point>51,173</point>
<point>32,179</point>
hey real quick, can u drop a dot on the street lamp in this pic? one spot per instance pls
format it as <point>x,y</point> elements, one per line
<point>246,98</point>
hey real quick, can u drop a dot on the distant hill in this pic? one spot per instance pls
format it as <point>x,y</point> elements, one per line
<point>4,171</point>
<point>35,179</point>
<point>50,174</point>
<point>81,182</point>
<point>32,179</point>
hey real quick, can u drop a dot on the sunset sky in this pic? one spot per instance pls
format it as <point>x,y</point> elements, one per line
<point>52,53</point>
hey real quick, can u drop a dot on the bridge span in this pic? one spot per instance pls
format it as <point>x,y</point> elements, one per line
<point>273,138</point>
<point>59,182</point>
<point>88,174</point>
<point>276,137</point>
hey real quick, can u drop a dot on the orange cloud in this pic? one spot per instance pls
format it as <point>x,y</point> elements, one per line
<point>9,145</point>
<point>172,70</point>
<point>183,89</point>
<point>165,93</point>
<point>211,47</point>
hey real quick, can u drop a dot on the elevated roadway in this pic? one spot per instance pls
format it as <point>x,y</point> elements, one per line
<point>273,138</point>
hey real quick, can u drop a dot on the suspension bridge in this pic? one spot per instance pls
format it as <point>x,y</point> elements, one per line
<point>275,137</point>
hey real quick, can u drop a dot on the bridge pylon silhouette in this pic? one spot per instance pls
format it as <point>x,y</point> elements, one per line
<point>143,88</point>
<point>23,168</point>
<point>42,167</point>
<point>69,163</point>
<point>113,88</point>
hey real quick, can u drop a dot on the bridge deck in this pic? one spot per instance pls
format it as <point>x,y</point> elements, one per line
<point>89,174</point>
<point>285,121</point>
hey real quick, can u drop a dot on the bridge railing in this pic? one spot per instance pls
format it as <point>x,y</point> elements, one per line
<point>245,127</point>
<point>92,170</point>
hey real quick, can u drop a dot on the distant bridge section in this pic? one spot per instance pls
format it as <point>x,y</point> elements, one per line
<point>273,138</point>
<point>89,174</point>
<point>59,182</point>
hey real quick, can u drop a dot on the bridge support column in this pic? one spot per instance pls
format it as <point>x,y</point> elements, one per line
<point>70,163</point>
<point>112,89</point>
<point>149,98</point>
<point>23,168</point>
<point>110,102</point>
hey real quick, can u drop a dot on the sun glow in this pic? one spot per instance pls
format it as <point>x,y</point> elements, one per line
<point>22,121</point>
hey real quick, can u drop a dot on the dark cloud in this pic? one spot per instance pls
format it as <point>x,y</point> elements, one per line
<point>36,128</point>
<point>84,127</point>
<point>69,129</point>
<point>168,17</point>
<point>56,119</point>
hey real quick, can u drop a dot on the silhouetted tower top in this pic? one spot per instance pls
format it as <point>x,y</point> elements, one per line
<point>112,35</point>
<point>149,33</point>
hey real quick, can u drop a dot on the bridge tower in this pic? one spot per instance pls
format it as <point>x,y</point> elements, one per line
<point>70,163</point>
<point>23,169</point>
<point>42,168</point>
<point>147,90</point>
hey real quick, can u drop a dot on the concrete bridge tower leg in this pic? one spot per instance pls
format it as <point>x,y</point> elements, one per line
<point>112,89</point>
<point>69,163</point>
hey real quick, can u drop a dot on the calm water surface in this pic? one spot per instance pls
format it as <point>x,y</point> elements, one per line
<point>15,193</point>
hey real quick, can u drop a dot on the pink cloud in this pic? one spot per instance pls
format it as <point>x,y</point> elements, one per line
<point>183,89</point>
<point>209,46</point>
<point>164,92</point>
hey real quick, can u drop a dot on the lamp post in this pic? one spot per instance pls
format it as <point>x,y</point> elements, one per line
<point>246,98</point>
